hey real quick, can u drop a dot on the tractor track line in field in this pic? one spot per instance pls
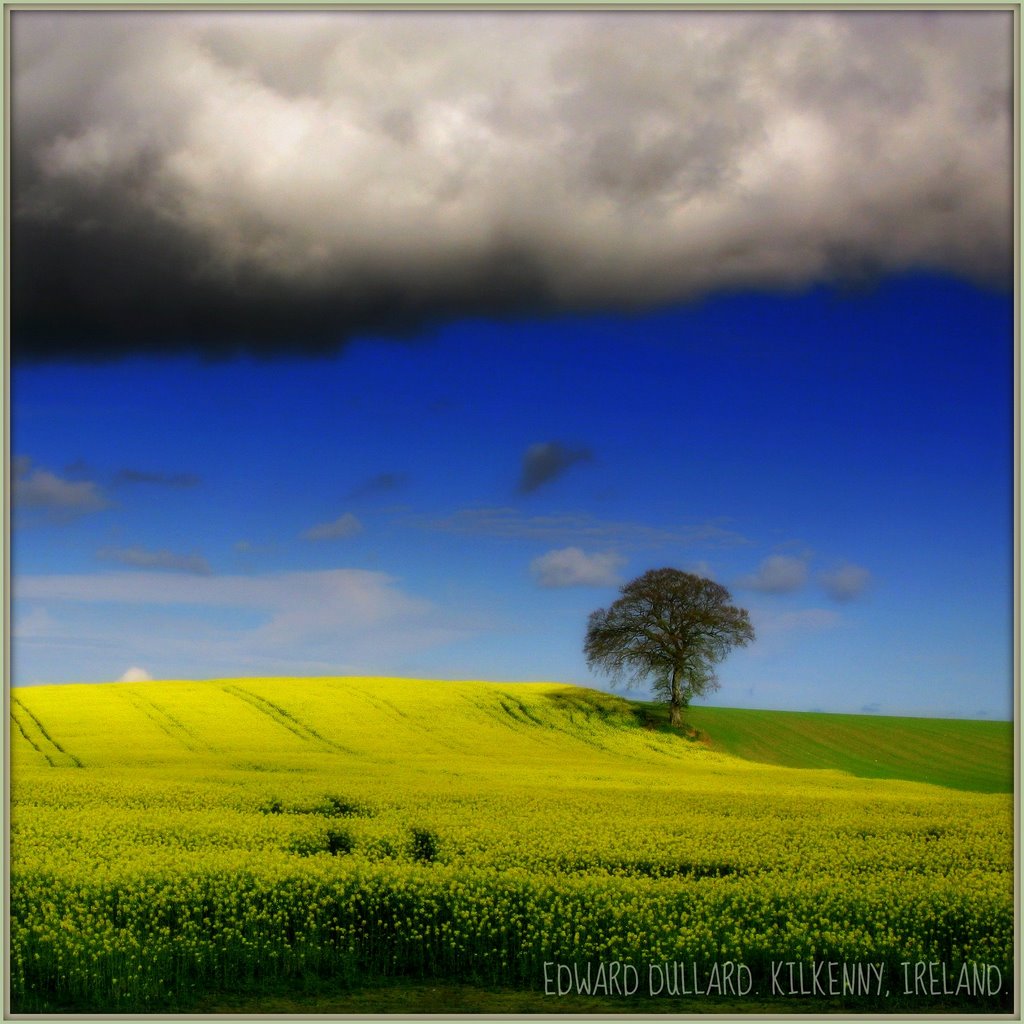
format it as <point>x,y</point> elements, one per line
<point>165,722</point>
<point>283,718</point>
<point>46,736</point>
<point>32,743</point>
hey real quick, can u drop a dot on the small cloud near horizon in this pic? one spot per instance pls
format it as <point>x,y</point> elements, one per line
<point>572,567</point>
<point>135,675</point>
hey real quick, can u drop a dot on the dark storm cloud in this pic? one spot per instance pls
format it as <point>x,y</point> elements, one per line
<point>277,182</point>
<point>547,461</point>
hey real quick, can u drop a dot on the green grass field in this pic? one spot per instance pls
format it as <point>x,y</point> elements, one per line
<point>960,754</point>
<point>337,845</point>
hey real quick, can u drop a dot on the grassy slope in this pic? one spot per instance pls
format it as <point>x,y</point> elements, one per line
<point>960,754</point>
<point>381,719</point>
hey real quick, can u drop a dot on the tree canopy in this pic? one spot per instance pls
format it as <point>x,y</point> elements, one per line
<point>669,628</point>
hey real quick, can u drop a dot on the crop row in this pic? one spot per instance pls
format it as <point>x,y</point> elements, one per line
<point>113,943</point>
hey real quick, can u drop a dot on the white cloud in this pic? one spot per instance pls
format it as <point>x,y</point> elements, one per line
<point>846,582</point>
<point>572,567</point>
<point>135,675</point>
<point>346,525</point>
<point>778,574</point>
<point>337,619</point>
<point>369,594</point>
<point>163,559</point>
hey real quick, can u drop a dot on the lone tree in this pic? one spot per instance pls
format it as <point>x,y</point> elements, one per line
<point>671,627</point>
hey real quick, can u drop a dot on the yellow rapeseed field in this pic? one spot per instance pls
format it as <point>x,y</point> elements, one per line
<point>170,839</point>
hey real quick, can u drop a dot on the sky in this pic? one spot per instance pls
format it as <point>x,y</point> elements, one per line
<point>394,344</point>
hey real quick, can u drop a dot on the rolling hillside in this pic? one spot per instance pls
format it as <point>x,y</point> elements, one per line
<point>424,721</point>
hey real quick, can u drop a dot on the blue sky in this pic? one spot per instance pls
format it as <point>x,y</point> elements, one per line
<point>841,462</point>
<point>449,492</point>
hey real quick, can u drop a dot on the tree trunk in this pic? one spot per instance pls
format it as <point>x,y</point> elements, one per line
<point>675,716</point>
